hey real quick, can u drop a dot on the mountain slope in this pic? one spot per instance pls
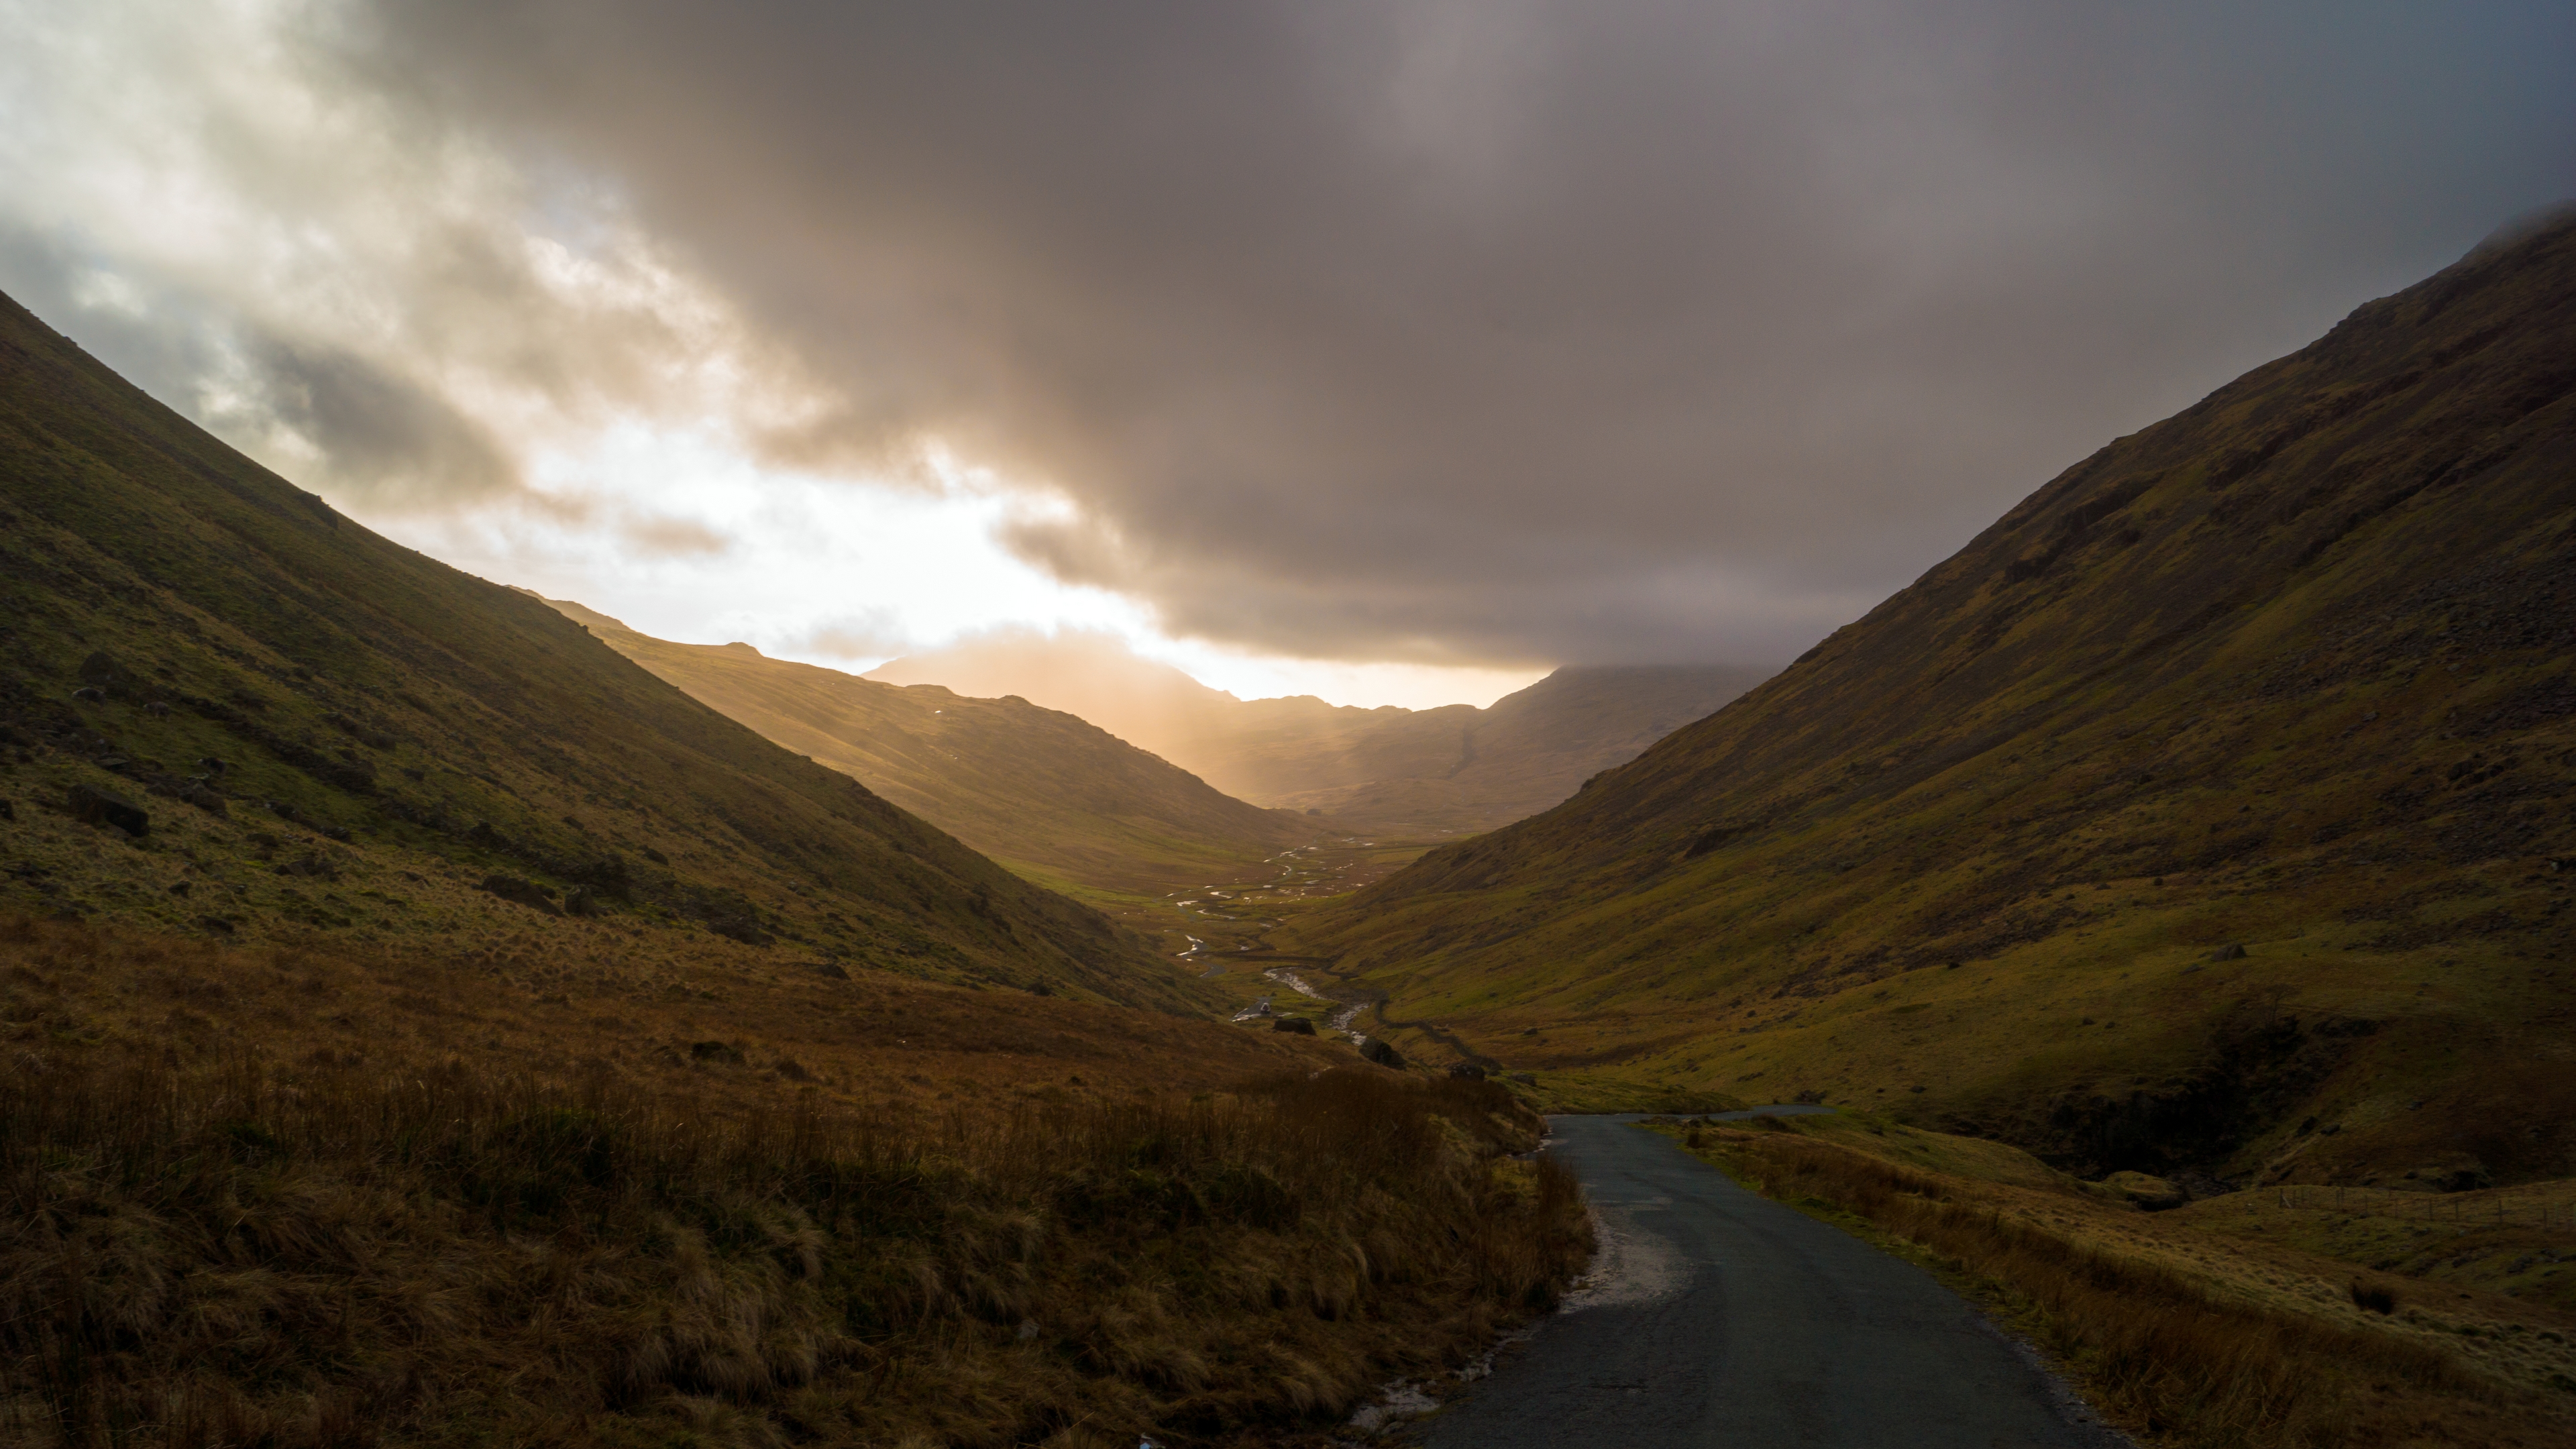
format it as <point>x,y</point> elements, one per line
<point>1456,768</point>
<point>2209,811</point>
<point>318,730</point>
<point>1033,788</point>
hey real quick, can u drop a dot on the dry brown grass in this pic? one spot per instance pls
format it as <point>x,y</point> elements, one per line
<point>2157,1348</point>
<point>428,1224</point>
<point>589,996</point>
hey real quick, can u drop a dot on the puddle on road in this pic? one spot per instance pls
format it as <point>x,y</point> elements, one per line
<point>1630,1265</point>
<point>1634,1265</point>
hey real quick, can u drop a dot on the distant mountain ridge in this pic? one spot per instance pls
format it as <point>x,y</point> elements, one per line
<point>2207,812</point>
<point>1451,769</point>
<point>1035,788</point>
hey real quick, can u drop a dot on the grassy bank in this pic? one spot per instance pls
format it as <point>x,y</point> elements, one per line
<point>315,1196</point>
<point>248,1254</point>
<point>2184,1334</point>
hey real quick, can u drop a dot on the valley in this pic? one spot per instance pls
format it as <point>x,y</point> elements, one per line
<point>2154,917</point>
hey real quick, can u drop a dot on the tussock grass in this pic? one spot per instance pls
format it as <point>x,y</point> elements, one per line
<point>2158,1349</point>
<point>242,1254</point>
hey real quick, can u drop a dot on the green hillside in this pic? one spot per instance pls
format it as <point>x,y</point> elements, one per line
<point>229,711</point>
<point>2209,811</point>
<point>1034,788</point>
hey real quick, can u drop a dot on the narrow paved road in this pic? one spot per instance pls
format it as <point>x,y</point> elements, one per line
<point>1719,1317</point>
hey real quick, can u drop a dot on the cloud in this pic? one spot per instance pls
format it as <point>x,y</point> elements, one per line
<point>662,536</point>
<point>873,636</point>
<point>388,304</point>
<point>1459,331</point>
<point>376,434</point>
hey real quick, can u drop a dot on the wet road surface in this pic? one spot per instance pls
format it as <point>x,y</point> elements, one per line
<point>1718,1317</point>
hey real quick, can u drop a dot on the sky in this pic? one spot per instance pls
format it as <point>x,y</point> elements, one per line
<point>1389,350</point>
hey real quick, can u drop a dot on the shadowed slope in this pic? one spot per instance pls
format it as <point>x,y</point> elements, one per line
<point>1034,788</point>
<point>2211,800</point>
<point>325,731</point>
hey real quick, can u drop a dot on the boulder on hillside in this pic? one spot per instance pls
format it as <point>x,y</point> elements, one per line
<point>1297,1024</point>
<point>2154,1194</point>
<point>1382,1054</point>
<point>309,866</point>
<point>2229,952</point>
<point>93,806</point>
<point>526,893</point>
<point>104,674</point>
<point>1468,1071</point>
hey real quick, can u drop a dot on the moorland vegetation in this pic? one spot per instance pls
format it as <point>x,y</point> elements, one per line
<point>229,1221</point>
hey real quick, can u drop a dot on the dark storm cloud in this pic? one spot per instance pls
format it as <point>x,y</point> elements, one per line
<point>384,438</point>
<point>366,432</point>
<point>1520,329</point>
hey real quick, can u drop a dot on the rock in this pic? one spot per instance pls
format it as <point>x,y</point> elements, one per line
<point>832,969</point>
<point>2229,952</point>
<point>584,902</point>
<point>1468,1072</point>
<point>2151,1193</point>
<point>1382,1054</point>
<point>216,924</point>
<point>194,790</point>
<point>526,893</point>
<point>1296,1025</point>
<point>102,673</point>
<point>212,766</point>
<point>87,695</point>
<point>157,710</point>
<point>93,806</point>
<point>715,1051</point>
